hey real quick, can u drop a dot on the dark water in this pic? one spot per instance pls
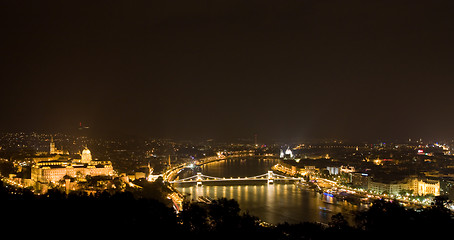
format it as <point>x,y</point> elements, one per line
<point>275,203</point>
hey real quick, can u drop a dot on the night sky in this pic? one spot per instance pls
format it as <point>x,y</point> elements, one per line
<point>356,70</point>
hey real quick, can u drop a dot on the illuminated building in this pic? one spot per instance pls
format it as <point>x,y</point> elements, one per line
<point>360,179</point>
<point>333,170</point>
<point>86,156</point>
<point>424,187</point>
<point>288,154</point>
<point>393,188</point>
<point>287,169</point>
<point>52,146</point>
<point>53,150</point>
<point>55,170</point>
<point>418,186</point>
<point>347,169</point>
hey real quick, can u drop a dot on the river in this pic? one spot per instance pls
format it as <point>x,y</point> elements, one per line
<point>274,203</point>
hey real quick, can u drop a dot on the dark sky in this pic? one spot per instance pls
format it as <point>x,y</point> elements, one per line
<point>359,70</point>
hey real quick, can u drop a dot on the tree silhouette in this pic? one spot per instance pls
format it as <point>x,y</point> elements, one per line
<point>338,222</point>
<point>194,218</point>
<point>133,213</point>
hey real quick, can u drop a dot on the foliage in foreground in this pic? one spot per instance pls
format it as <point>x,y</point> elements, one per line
<point>134,214</point>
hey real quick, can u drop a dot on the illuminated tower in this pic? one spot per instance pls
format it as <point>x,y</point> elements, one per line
<point>52,149</point>
<point>86,156</point>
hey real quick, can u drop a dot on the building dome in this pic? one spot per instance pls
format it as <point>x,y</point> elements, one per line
<point>86,151</point>
<point>288,152</point>
<point>86,155</point>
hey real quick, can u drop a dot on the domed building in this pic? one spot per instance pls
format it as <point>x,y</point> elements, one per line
<point>55,170</point>
<point>86,156</point>
<point>287,154</point>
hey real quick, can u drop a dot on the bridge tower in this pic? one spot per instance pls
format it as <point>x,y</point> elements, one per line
<point>270,177</point>
<point>199,179</point>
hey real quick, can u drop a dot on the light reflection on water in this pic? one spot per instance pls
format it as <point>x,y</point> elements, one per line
<point>275,203</point>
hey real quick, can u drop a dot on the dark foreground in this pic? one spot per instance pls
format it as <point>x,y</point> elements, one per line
<point>137,214</point>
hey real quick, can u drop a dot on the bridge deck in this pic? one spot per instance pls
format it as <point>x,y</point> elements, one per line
<point>235,179</point>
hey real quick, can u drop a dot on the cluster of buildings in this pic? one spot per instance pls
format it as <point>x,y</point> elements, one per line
<point>59,168</point>
<point>412,185</point>
<point>409,169</point>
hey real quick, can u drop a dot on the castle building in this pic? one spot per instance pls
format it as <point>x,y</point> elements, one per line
<point>55,170</point>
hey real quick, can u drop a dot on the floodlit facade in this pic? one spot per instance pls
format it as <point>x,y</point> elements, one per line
<point>418,186</point>
<point>389,188</point>
<point>55,170</point>
<point>45,172</point>
<point>86,156</point>
<point>421,187</point>
<point>288,154</point>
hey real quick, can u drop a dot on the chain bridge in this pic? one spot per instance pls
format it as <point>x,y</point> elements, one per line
<point>270,177</point>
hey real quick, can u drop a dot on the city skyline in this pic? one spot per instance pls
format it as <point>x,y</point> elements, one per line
<point>227,119</point>
<point>415,174</point>
<point>301,70</point>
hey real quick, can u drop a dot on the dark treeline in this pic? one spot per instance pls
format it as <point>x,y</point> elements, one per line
<point>138,214</point>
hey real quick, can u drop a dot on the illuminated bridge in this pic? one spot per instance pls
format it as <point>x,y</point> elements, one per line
<point>270,177</point>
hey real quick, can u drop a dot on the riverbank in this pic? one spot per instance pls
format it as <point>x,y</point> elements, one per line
<point>353,195</point>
